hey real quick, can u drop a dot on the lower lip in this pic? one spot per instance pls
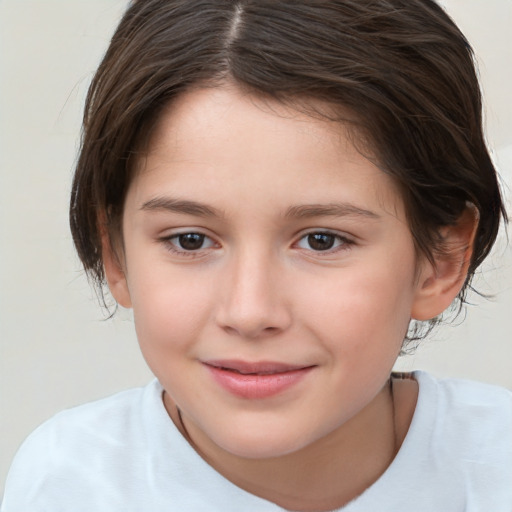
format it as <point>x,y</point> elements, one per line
<point>257,386</point>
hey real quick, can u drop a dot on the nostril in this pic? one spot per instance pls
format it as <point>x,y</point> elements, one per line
<point>230,330</point>
<point>251,332</point>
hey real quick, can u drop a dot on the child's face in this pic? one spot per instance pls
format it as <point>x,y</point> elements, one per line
<point>298,259</point>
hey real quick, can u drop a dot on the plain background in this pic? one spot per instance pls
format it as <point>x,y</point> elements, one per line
<point>56,349</point>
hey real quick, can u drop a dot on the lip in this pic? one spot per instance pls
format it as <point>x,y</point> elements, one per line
<point>256,380</point>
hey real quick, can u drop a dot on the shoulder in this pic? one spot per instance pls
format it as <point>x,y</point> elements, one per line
<point>469,429</point>
<point>455,398</point>
<point>82,444</point>
<point>103,419</point>
<point>457,454</point>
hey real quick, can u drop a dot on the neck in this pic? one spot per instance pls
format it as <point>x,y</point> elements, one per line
<point>324,475</point>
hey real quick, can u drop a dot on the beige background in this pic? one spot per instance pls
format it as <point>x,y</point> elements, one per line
<point>55,349</point>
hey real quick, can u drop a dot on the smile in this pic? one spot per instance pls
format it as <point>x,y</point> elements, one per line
<point>256,380</point>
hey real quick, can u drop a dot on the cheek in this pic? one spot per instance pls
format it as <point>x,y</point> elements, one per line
<point>363,312</point>
<point>170,309</point>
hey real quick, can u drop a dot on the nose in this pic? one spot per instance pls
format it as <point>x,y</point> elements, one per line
<point>253,300</point>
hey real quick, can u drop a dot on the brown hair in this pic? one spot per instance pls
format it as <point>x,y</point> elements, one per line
<point>401,66</point>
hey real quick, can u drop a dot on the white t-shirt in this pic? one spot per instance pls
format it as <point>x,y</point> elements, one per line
<point>124,453</point>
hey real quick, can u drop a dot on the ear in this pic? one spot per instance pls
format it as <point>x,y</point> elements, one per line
<point>114,271</point>
<point>439,283</point>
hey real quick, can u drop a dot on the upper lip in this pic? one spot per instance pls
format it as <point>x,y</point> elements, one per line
<point>258,367</point>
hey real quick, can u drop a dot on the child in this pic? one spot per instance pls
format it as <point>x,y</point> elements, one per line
<point>277,188</point>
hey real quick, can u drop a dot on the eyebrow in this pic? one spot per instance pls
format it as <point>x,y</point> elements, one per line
<point>180,206</point>
<point>329,210</point>
<point>299,211</point>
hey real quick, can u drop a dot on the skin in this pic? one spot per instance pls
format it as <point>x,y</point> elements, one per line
<point>262,178</point>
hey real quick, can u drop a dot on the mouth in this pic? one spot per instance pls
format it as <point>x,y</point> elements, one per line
<point>256,380</point>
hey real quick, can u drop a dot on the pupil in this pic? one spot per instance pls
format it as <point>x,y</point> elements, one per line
<point>191,241</point>
<point>321,241</point>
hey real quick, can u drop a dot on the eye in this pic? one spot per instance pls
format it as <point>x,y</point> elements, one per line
<point>188,242</point>
<point>323,241</point>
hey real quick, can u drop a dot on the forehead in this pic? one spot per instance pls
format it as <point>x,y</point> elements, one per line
<point>228,108</point>
<point>211,137</point>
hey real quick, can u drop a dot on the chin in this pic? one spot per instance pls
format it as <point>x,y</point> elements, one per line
<point>261,449</point>
<point>263,443</point>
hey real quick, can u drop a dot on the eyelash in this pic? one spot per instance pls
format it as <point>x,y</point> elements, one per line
<point>339,243</point>
<point>343,242</point>
<point>171,246</point>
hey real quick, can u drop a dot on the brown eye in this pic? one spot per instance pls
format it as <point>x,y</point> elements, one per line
<point>191,244</point>
<point>321,241</point>
<point>190,241</point>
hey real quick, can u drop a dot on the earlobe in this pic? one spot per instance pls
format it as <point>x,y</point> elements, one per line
<point>440,283</point>
<point>114,272</point>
